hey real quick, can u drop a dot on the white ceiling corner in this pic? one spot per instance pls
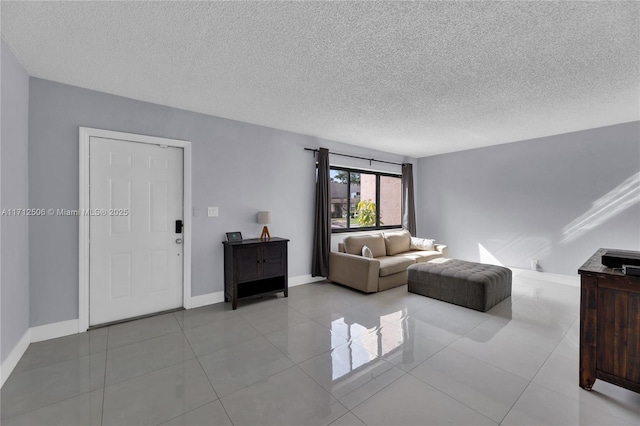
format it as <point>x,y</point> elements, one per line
<point>412,78</point>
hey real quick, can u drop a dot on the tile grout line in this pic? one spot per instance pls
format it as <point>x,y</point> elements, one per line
<point>447,394</point>
<point>349,341</point>
<point>144,340</point>
<point>140,342</point>
<point>104,384</point>
<point>555,391</point>
<point>537,372</point>
<point>482,361</point>
<point>208,379</point>
<point>179,325</point>
<point>206,375</point>
<point>149,372</point>
<point>294,363</point>
<point>52,404</point>
<point>89,354</point>
<point>366,399</point>
<point>88,392</point>
<point>252,384</point>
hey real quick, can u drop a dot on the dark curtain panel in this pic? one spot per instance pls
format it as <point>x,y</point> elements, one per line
<point>408,202</point>
<point>322,227</point>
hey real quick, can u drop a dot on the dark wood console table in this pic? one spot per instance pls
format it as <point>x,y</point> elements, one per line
<point>609,325</point>
<point>254,268</point>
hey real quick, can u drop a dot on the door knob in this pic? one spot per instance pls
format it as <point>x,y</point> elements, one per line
<point>178,240</point>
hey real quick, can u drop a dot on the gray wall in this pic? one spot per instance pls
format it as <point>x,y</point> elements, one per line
<point>14,231</point>
<point>512,199</point>
<point>240,168</point>
<point>556,199</point>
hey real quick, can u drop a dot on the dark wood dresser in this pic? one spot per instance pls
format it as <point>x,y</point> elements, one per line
<point>609,325</point>
<point>254,268</point>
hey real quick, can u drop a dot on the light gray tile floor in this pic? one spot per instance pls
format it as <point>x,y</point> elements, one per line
<point>324,355</point>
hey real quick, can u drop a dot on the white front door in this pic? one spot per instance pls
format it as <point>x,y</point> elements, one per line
<point>135,254</point>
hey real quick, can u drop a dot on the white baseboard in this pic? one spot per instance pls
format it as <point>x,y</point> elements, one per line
<point>218,296</point>
<point>303,279</point>
<point>52,331</point>
<point>547,276</point>
<point>207,299</point>
<point>14,357</point>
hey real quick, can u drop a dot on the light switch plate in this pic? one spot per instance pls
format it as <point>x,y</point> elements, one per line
<point>212,212</point>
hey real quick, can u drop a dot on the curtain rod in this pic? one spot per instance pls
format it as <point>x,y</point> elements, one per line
<point>354,156</point>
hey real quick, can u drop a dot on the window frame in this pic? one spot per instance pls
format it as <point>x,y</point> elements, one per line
<point>377,174</point>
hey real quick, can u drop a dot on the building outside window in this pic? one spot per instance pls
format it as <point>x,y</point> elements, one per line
<point>362,199</point>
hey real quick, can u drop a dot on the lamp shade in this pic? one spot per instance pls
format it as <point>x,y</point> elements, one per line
<point>264,217</point>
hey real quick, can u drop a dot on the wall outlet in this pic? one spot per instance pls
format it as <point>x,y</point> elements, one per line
<point>534,265</point>
<point>212,212</point>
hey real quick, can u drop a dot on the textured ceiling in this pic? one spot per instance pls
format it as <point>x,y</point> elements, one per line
<point>413,78</point>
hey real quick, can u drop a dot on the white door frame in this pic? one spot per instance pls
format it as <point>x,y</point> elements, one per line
<point>85,134</point>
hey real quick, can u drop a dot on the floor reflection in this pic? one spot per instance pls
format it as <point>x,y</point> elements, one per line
<point>349,358</point>
<point>373,342</point>
<point>396,336</point>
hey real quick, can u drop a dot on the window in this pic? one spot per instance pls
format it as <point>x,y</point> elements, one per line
<point>362,199</point>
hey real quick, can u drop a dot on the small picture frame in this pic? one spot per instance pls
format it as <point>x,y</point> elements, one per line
<point>234,236</point>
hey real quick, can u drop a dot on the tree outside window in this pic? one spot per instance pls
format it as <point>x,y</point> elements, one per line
<point>364,200</point>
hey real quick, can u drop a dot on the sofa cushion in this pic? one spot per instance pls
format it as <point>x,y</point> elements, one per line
<point>390,265</point>
<point>354,244</point>
<point>422,244</point>
<point>397,242</point>
<point>420,256</point>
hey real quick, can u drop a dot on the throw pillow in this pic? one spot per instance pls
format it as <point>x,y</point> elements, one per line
<point>366,252</point>
<point>422,244</point>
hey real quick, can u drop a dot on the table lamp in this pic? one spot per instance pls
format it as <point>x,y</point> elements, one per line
<point>264,218</point>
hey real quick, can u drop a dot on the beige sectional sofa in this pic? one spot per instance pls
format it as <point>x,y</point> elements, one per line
<point>387,268</point>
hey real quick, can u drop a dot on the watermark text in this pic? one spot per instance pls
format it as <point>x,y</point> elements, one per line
<point>65,212</point>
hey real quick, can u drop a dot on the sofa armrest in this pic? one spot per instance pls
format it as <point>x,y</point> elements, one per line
<point>443,249</point>
<point>354,271</point>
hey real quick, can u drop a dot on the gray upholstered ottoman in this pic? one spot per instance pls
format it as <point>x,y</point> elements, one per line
<point>472,285</point>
